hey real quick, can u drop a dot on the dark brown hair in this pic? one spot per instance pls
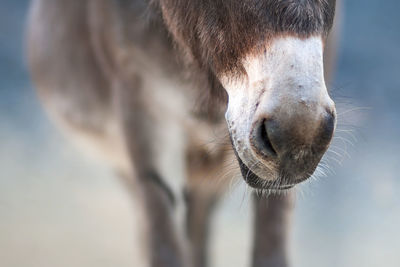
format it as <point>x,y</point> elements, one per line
<point>216,33</point>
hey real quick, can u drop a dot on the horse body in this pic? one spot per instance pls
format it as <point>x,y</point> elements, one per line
<point>129,82</point>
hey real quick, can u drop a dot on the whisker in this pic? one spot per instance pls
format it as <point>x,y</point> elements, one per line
<point>344,140</point>
<point>344,150</point>
<point>352,110</point>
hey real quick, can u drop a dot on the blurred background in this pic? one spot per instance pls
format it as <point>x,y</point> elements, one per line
<point>58,208</point>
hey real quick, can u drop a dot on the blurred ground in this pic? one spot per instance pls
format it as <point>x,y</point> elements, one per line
<point>58,208</point>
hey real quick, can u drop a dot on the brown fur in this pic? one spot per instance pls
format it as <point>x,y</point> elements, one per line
<point>218,32</point>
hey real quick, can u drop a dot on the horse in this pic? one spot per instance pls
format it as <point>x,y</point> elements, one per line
<point>179,96</point>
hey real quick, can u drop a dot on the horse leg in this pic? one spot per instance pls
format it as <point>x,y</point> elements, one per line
<point>204,188</point>
<point>199,210</point>
<point>153,198</point>
<point>272,216</point>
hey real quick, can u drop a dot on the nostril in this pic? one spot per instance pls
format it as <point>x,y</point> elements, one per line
<point>328,125</point>
<point>262,142</point>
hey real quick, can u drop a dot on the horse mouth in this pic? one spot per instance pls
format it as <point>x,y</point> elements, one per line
<point>256,182</point>
<point>288,173</point>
